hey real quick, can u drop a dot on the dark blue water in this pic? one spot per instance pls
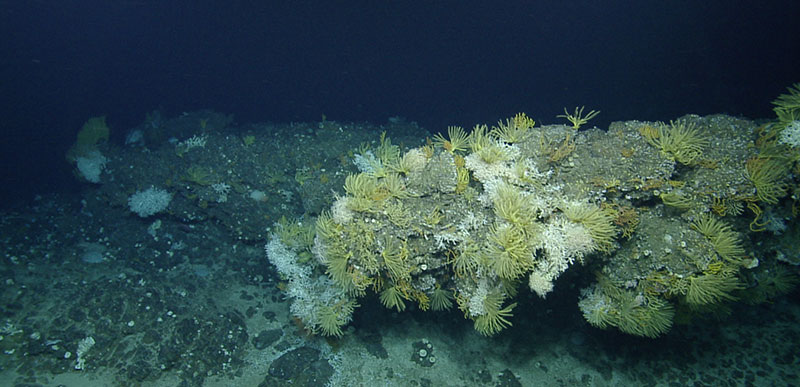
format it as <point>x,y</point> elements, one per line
<point>437,64</point>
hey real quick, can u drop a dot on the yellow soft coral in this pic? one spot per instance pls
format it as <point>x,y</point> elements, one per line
<point>93,132</point>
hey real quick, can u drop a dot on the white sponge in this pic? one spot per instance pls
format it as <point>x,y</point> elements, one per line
<point>150,201</point>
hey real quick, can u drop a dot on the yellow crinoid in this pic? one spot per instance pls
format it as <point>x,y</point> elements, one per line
<point>441,299</point>
<point>787,106</point>
<point>723,238</point>
<point>598,221</point>
<point>632,312</point>
<point>393,185</point>
<point>677,199</point>
<point>711,288</point>
<point>578,119</point>
<point>495,317</point>
<point>508,251</point>
<point>513,206</point>
<point>680,141</point>
<point>644,316</point>
<point>392,297</point>
<point>457,141</point>
<point>394,254</point>
<point>768,175</point>
<point>513,130</point>
<point>361,185</point>
<point>465,259</point>
<point>495,152</point>
<point>333,317</point>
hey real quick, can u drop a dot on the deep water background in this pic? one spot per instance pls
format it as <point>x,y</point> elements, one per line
<point>437,63</point>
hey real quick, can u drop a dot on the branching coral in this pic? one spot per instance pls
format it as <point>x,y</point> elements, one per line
<point>727,206</point>
<point>321,307</point>
<point>541,281</point>
<point>626,218</point>
<point>664,282</point>
<point>93,132</point>
<point>423,301</point>
<point>561,243</point>
<point>560,152</point>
